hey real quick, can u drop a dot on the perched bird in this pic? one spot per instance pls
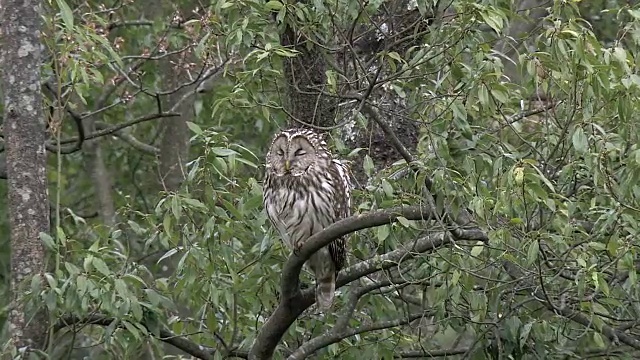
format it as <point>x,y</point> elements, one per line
<point>305,191</point>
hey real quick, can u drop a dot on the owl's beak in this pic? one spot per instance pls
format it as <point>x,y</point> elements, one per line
<point>287,165</point>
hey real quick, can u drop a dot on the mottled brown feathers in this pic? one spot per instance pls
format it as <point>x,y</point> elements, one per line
<point>305,191</point>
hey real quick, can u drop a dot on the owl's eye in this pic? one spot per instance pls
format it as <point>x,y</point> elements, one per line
<point>299,152</point>
<point>280,152</point>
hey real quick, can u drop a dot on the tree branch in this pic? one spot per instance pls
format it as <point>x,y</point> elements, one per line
<point>341,325</point>
<point>293,302</point>
<point>289,309</point>
<point>576,316</point>
<point>291,270</point>
<point>126,124</point>
<point>77,119</point>
<point>420,354</point>
<point>331,338</point>
<point>130,139</point>
<point>164,335</point>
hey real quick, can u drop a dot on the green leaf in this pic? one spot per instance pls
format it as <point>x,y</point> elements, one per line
<point>493,20</point>
<point>367,165</point>
<point>383,232</point>
<point>53,282</point>
<point>71,268</point>
<point>167,254</point>
<point>387,188</point>
<point>620,55</point>
<point>81,285</point>
<point>404,221</point>
<point>194,203</point>
<point>532,253</point>
<point>286,52</point>
<point>579,140</point>
<point>273,5</point>
<point>36,284</point>
<point>265,244</point>
<point>476,250</point>
<point>599,308</point>
<point>87,262</point>
<point>166,225</point>
<point>132,329</point>
<point>61,236</point>
<point>48,241</point>
<point>194,127</point>
<point>544,179</point>
<point>395,56</point>
<point>223,152</point>
<point>121,288</point>
<point>483,95</point>
<point>500,95</point>
<point>247,162</point>
<point>597,339</point>
<point>67,14</point>
<point>524,334</point>
<point>101,266</point>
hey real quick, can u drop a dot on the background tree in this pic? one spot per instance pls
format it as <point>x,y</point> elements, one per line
<point>494,144</point>
<point>27,201</point>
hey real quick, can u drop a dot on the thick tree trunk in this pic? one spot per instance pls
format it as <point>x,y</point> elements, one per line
<point>305,75</point>
<point>24,130</point>
<point>100,176</point>
<point>174,137</point>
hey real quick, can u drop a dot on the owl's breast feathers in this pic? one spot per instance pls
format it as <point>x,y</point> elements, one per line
<point>300,206</point>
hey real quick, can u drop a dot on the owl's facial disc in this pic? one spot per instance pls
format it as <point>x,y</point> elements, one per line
<point>300,156</point>
<point>292,156</point>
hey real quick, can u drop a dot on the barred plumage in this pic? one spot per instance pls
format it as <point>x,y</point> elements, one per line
<point>305,191</point>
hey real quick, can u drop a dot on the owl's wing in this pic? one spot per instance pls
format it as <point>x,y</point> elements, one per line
<point>342,207</point>
<point>344,184</point>
<point>274,208</point>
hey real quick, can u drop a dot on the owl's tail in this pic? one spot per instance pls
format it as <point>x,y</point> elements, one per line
<point>325,290</point>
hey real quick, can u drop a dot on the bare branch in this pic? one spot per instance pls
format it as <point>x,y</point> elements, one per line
<point>126,124</point>
<point>333,337</point>
<point>397,144</point>
<point>164,335</point>
<point>430,353</point>
<point>77,119</point>
<point>130,139</point>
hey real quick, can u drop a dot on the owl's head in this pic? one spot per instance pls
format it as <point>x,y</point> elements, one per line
<point>296,151</point>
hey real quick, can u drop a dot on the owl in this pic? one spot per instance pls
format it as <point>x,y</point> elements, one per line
<point>305,191</point>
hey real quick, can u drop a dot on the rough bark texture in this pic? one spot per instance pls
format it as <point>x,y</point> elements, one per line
<point>174,151</point>
<point>24,130</point>
<point>174,138</point>
<point>305,76</point>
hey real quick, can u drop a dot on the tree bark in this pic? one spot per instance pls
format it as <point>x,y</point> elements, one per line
<point>24,130</point>
<point>100,176</point>
<point>306,77</point>
<point>174,138</point>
